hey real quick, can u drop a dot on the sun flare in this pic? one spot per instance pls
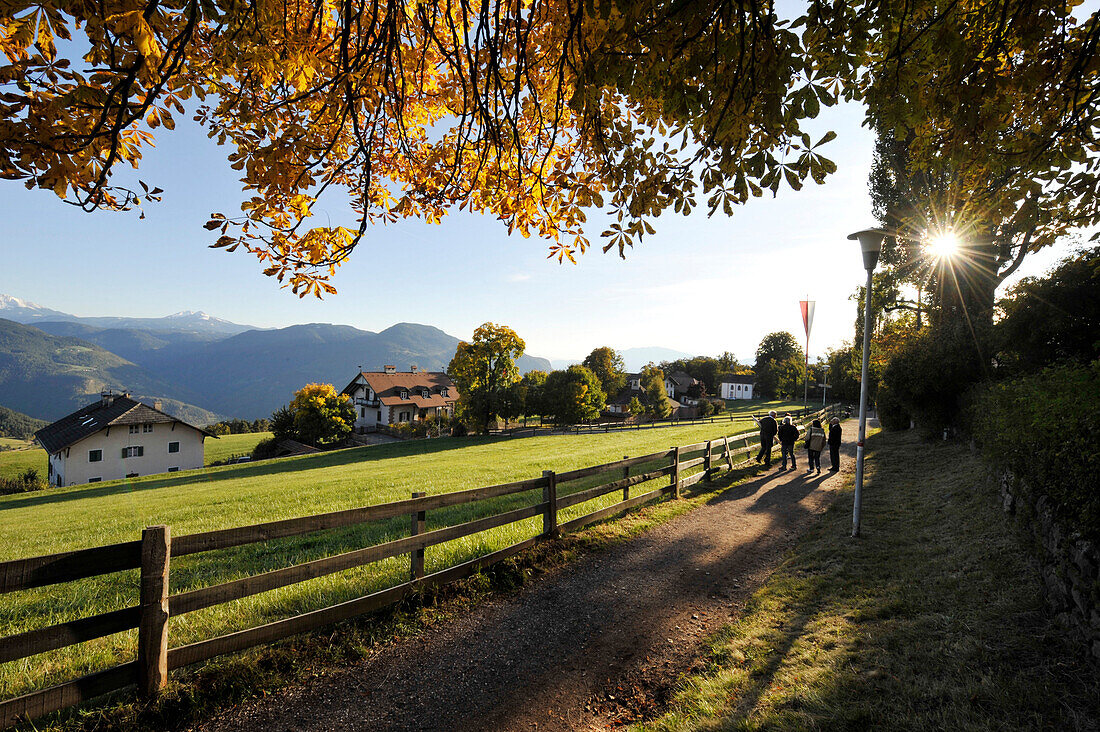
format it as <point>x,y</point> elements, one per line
<point>943,245</point>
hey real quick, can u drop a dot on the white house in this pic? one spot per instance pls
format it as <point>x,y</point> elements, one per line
<point>118,437</point>
<point>390,397</point>
<point>737,386</point>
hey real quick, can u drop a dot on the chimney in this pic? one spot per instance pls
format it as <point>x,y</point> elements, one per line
<point>158,405</point>
<point>390,369</point>
<point>107,397</point>
<point>412,369</point>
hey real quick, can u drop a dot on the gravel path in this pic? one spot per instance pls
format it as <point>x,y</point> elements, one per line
<point>590,645</point>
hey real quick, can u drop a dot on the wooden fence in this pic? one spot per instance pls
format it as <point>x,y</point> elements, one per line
<point>152,554</point>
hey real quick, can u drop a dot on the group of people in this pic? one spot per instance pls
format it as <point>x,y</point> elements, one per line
<point>787,433</point>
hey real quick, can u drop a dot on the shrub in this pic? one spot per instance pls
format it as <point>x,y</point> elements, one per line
<point>1044,429</point>
<point>929,375</point>
<point>26,482</point>
<point>892,414</point>
<point>266,449</point>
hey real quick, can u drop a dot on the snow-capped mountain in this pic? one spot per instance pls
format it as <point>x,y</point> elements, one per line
<point>24,311</point>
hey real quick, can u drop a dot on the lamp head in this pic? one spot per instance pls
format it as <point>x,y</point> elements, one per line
<point>870,242</point>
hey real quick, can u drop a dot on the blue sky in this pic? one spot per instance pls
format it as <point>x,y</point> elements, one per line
<point>701,285</point>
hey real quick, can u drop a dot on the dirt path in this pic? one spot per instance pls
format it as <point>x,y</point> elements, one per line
<point>591,645</point>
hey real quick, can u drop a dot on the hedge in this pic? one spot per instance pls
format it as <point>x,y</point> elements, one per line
<point>1045,428</point>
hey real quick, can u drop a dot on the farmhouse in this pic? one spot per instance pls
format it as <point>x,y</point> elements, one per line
<point>620,404</point>
<point>118,437</point>
<point>737,386</point>
<point>390,397</point>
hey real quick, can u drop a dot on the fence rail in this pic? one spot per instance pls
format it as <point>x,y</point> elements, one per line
<point>153,553</point>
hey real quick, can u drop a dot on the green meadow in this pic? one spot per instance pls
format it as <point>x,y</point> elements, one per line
<point>235,495</point>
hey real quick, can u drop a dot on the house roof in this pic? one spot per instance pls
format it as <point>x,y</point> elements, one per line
<point>682,380</point>
<point>388,387</point>
<point>738,379</point>
<point>122,410</point>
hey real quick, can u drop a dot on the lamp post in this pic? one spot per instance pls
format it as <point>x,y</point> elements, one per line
<point>824,384</point>
<point>870,243</point>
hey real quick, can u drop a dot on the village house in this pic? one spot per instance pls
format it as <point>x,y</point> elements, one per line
<point>681,384</point>
<point>737,386</point>
<point>390,397</point>
<point>620,404</point>
<point>118,437</point>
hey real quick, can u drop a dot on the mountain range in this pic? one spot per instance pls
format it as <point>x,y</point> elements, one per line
<point>202,368</point>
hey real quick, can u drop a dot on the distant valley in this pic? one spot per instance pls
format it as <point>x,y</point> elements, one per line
<point>202,368</point>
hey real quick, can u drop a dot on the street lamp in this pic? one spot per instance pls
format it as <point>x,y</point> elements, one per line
<point>870,243</point>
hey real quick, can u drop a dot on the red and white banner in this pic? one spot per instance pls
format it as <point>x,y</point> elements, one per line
<point>807,315</point>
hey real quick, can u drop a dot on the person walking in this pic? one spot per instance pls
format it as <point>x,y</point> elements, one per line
<point>815,443</point>
<point>788,435</point>
<point>768,430</point>
<point>834,444</point>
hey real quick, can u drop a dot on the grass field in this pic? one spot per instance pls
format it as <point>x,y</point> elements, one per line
<point>227,446</point>
<point>236,495</point>
<point>15,443</point>
<point>931,620</point>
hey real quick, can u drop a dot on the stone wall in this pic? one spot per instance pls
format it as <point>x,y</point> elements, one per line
<point>1070,565</point>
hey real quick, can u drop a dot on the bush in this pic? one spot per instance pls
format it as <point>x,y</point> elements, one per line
<point>26,482</point>
<point>892,414</point>
<point>929,376</point>
<point>428,427</point>
<point>1044,429</point>
<point>266,449</point>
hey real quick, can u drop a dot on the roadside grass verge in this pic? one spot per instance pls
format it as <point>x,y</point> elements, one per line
<point>238,495</point>
<point>932,620</point>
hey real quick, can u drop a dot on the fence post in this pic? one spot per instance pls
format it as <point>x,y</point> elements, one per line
<point>706,461</point>
<point>417,526</point>
<point>550,498</point>
<point>156,550</point>
<point>626,474</point>
<point>676,471</point>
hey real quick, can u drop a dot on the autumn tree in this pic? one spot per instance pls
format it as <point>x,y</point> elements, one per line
<point>484,369</point>
<point>538,112</point>
<point>321,415</point>
<point>573,395</point>
<point>779,366</point>
<point>608,366</point>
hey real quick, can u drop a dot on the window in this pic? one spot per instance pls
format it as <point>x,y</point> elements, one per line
<point>173,447</point>
<point>94,456</point>
<point>427,393</point>
<point>404,394</point>
<point>379,415</point>
<point>94,480</point>
<point>174,470</point>
<point>135,451</point>
<point>147,428</point>
<point>135,429</point>
<point>443,392</point>
<point>402,416</point>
